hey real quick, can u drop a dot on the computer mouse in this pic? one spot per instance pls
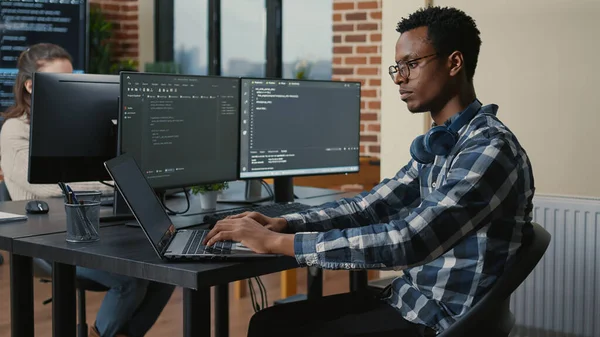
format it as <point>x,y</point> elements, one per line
<point>37,207</point>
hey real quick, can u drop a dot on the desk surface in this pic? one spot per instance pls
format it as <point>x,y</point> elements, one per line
<point>127,251</point>
<point>36,224</point>
<point>54,221</point>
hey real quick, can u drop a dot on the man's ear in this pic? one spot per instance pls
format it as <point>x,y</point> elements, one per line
<point>456,62</point>
<point>29,86</point>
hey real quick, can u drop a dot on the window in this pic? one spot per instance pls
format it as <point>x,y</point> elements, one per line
<point>243,38</point>
<point>190,36</point>
<point>307,38</point>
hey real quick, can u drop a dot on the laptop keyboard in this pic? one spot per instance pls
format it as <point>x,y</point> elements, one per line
<point>194,245</point>
<point>272,210</point>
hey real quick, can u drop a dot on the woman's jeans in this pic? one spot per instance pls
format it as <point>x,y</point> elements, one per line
<point>131,306</point>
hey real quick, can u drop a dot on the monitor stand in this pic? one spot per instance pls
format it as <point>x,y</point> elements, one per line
<point>284,189</point>
<point>244,192</point>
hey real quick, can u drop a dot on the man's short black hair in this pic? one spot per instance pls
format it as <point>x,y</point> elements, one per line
<point>448,29</point>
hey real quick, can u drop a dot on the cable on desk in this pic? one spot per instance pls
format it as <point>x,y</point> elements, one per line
<point>107,184</point>
<point>268,188</point>
<point>172,212</point>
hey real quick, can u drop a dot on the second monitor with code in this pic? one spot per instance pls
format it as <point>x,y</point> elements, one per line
<point>298,127</point>
<point>181,129</point>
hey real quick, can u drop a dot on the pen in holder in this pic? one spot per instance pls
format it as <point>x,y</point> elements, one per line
<point>83,221</point>
<point>83,214</point>
<point>95,196</point>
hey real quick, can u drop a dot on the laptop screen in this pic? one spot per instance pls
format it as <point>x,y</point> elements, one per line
<point>142,201</point>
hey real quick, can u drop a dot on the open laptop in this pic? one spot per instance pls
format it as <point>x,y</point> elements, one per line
<point>167,241</point>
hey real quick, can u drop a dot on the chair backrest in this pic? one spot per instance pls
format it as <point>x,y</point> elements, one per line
<point>4,195</point>
<point>487,309</point>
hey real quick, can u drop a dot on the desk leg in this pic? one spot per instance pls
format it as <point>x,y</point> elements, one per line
<point>314,283</point>
<point>21,296</point>
<point>359,280</point>
<point>222,310</point>
<point>64,322</point>
<point>196,312</point>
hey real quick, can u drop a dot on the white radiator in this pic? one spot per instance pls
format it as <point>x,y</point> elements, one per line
<point>561,297</point>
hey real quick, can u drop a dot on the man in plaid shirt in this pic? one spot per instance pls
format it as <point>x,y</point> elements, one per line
<point>452,219</point>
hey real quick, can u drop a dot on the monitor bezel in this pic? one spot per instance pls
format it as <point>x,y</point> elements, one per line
<point>120,126</point>
<point>273,176</point>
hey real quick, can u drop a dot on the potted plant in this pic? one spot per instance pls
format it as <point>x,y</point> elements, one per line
<point>102,46</point>
<point>302,70</point>
<point>208,194</point>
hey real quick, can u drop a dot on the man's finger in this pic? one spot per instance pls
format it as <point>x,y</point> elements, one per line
<point>237,216</point>
<point>220,226</point>
<point>221,236</point>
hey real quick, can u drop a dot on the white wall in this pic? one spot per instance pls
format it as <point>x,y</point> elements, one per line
<point>539,64</point>
<point>398,125</point>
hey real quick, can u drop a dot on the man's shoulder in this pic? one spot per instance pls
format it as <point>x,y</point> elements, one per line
<point>489,125</point>
<point>487,128</point>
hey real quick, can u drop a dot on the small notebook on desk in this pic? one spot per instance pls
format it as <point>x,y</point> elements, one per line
<point>10,217</point>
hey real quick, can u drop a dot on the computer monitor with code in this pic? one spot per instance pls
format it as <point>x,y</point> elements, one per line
<point>298,127</point>
<point>25,23</point>
<point>181,129</point>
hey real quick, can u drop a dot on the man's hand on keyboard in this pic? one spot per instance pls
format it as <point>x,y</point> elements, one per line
<point>251,234</point>
<point>278,225</point>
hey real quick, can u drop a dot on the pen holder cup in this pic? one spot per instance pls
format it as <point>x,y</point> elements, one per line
<point>95,196</point>
<point>83,221</point>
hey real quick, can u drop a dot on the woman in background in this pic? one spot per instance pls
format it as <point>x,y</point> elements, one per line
<point>132,305</point>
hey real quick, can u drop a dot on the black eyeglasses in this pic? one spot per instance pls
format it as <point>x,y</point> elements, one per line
<point>403,68</point>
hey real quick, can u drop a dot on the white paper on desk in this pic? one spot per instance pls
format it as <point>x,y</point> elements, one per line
<point>9,217</point>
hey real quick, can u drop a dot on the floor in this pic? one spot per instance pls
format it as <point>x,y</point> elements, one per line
<point>170,322</point>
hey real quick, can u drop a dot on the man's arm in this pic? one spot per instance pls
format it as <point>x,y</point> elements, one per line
<point>394,196</point>
<point>480,179</point>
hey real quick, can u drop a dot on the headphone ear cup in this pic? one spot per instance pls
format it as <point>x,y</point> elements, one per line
<point>440,141</point>
<point>418,151</point>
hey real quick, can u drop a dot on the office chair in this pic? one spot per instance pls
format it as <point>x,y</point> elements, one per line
<point>43,269</point>
<point>491,316</point>
<point>4,196</point>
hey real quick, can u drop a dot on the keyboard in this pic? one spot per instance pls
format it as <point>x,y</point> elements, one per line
<point>272,210</point>
<point>194,245</point>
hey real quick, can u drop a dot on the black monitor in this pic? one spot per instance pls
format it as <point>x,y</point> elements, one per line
<point>181,129</point>
<point>25,23</point>
<point>73,127</point>
<point>298,127</point>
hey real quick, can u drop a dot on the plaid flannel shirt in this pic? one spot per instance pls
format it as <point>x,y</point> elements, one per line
<point>452,226</point>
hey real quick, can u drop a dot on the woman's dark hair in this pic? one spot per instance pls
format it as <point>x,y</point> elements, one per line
<point>29,62</point>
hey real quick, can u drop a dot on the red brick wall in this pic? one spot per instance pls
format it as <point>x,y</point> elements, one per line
<point>357,57</point>
<point>124,16</point>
